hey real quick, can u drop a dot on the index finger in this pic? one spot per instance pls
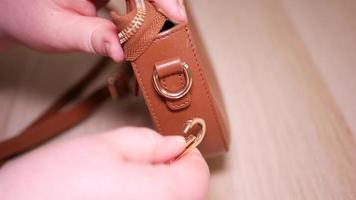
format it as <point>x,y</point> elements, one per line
<point>173,9</point>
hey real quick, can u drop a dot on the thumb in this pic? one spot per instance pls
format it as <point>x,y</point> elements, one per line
<point>93,35</point>
<point>145,145</point>
<point>173,9</point>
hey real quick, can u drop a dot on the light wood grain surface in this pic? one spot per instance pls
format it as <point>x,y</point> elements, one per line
<point>287,71</point>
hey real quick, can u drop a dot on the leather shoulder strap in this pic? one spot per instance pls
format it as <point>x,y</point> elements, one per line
<point>56,120</point>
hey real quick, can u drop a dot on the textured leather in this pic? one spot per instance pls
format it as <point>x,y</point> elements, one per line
<point>143,38</point>
<point>167,47</point>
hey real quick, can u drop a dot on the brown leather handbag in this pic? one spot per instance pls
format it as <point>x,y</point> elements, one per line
<point>167,71</point>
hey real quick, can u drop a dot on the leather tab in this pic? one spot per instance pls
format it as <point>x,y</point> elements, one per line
<point>172,79</point>
<point>169,67</point>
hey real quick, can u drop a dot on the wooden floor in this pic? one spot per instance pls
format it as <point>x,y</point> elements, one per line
<point>287,70</point>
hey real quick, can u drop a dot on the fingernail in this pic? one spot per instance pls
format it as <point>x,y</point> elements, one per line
<point>182,10</point>
<point>181,140</point>
<point>178,139</point>
<point>195,151</point>
<point>114,51</point>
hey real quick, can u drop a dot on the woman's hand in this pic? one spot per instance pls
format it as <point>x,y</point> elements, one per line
<point>129,163</point>
<point>68,25</point>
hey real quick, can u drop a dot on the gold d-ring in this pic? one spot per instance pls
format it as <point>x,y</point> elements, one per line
<point>174,95</point>
<point>192,141</point>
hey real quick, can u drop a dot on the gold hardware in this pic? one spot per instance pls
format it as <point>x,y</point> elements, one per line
<point>192,141</point>
<point>174,95</point>
<point>135,24</point>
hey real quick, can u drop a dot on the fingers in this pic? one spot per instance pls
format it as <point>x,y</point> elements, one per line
<point>93,35</point>
<point>147,152</point>
<point>146,173</point>
<point>173,9</point>
<point>191,172</point>
<point>187,178</point>
<point>144,145</point>
<point>82,7</point>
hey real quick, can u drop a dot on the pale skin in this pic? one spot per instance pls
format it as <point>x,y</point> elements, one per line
<point>128,163</point>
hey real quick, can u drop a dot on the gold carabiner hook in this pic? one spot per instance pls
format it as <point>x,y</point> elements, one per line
<point>192,141</point>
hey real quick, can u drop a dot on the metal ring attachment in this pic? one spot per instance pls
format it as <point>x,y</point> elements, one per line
<point>192,141</point>
<point>174,95</point>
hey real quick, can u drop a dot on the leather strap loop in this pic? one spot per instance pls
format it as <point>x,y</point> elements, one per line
<point>172,78</point>
<point>169,67</point>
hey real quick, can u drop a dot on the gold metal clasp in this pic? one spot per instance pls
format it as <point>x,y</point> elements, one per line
<point>174,95</point>
<point>193,140</point>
